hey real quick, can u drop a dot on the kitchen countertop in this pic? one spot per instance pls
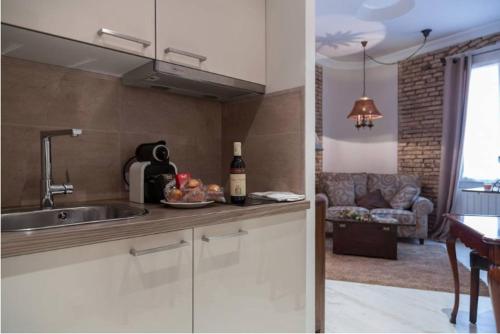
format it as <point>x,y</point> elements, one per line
<point>159,220</point>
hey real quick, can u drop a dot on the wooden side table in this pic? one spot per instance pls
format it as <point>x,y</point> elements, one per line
<point>482,234</point>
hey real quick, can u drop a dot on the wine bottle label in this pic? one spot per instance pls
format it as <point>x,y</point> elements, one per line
<point>238,184</point>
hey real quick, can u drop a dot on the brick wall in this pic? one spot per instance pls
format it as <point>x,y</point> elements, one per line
<point>319,119</point>
<point>420,103</point>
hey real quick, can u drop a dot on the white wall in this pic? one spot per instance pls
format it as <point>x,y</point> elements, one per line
<point>290,61</point>
<point>345,148</point>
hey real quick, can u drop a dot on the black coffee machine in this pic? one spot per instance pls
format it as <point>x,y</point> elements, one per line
<point>148,172</point>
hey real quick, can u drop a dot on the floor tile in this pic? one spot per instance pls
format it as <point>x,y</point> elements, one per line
<point>355,307</point>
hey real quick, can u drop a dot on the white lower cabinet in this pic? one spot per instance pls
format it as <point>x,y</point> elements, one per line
<point>102,287</point>
<point>249,276</point>
<point>246,276</point>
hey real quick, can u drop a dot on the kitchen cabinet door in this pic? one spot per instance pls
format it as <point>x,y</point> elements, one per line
<point>222,36</point>
<point>249,276</point>
<point>102,287</point>
<point>132,20</point>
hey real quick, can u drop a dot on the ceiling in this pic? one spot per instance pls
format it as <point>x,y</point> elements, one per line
<point>393,25</point>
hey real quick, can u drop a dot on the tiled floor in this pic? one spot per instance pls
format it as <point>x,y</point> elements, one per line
<point>355,307</point>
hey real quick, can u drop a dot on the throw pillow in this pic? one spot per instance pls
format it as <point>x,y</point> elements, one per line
<point>341,192</point>
<point>360,184</point>
<point>405,197</point>
<point>373,200</point>
<point>387,183</point>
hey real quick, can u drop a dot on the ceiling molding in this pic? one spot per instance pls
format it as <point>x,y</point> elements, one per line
<point>433,45</point>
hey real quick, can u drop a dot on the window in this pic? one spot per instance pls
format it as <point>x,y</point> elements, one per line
<point>481,151</point>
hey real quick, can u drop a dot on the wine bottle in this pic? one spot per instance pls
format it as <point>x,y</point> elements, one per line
<point>237,178</point>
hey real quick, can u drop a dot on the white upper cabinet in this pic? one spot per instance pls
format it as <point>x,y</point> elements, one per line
<point>226,37</point>
<point>102,287</point>
<point>125,25</point>
<point>249,276</point>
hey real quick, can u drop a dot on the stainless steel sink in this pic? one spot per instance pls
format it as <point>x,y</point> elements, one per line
<point>42,219</point>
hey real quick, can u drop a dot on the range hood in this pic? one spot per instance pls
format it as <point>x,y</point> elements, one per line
<point>134,70</point>
<point>190,81</point>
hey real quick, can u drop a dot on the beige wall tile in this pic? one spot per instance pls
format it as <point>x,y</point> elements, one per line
<point>115,119</point>
<point>191,127</point>
<point>272,134</point>
<point>272,114</point>
<point>159,112</point>
<point>274,162</point>
<point>43,95</point>
<point>27,90</point>
<point>20,165</point>
<point>92,161</point>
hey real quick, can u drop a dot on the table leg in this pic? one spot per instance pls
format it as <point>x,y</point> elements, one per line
<point>474,295</point>
<point>494,283</point>
<point>452,255</point>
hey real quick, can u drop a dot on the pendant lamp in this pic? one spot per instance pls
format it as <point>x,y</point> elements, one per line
<point>364,111</point>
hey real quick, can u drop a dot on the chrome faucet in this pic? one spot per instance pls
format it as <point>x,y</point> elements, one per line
<point>48,190</point>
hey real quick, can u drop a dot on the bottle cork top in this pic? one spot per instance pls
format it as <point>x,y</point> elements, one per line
<point>237,148</point>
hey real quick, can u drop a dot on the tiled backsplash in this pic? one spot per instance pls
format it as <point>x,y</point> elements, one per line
<point>114,118</point>
<point>271,129</point>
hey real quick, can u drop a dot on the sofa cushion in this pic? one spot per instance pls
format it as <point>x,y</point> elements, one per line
<point>373,200</point>
<point>404,217</point>
<point>341,193</point>
<point>360,181</point>
<point>334,211</point>
<point>405,197</point>
<point>325,183</point>
<point>387,183</point>
<point>413,180</point>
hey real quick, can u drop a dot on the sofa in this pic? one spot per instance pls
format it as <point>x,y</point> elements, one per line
<point>399,195</point>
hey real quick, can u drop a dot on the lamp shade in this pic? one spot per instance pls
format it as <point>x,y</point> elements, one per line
<point>364,107</point>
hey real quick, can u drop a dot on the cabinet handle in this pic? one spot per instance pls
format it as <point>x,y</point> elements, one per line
<point>386,228</point>
<point>176,245</point>
<point>104,31</point>
<point>342,225</point>
<point>186,53</point>
<point>224,236</point>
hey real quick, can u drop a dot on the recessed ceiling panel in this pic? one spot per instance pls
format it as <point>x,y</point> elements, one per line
<point>393,25</point>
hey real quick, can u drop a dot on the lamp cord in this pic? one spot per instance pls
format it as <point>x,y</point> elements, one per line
<point>364,70</point>
<point>396,62</point>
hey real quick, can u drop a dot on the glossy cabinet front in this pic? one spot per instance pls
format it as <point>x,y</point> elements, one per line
<point>102,287</point>
<point>133,21</point>
<point>249,276</point>
<point>221,36</point>
<point>226,37</point>
<point>242,276</point>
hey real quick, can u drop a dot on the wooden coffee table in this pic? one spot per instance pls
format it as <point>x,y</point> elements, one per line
<point>374,239</point>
